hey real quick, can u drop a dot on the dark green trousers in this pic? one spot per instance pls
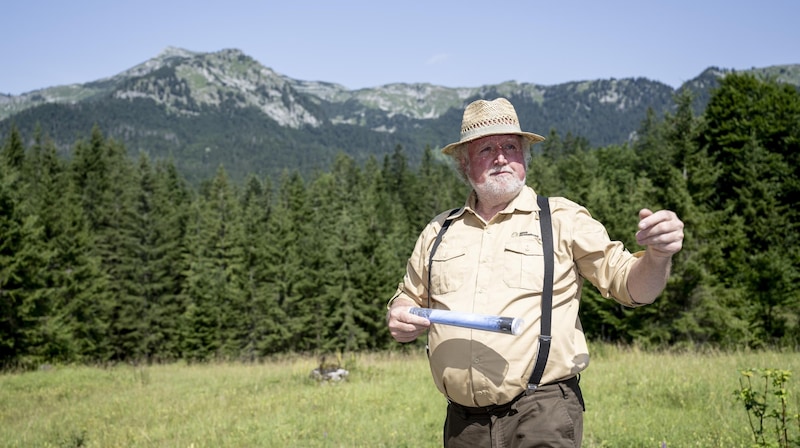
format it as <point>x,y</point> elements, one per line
<point>551,417</point>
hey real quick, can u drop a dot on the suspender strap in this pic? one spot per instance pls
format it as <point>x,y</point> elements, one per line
<point>547,295</point>
<point>436,242</point>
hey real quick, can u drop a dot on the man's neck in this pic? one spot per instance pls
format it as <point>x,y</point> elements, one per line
<point>488,207</point>
<point>487,213</point>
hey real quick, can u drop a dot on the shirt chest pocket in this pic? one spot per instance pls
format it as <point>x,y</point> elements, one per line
<point>448,270</point>
<point>524,264</point>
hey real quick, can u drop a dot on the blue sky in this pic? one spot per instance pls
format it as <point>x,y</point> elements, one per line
<point>371,43</point>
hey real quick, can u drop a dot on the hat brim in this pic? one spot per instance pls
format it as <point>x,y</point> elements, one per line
<point>530,137</point>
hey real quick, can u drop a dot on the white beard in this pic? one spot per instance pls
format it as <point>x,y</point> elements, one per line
<point>498,189</point>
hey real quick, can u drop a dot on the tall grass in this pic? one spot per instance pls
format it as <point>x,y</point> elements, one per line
<point>634,399</point>
<point>641,399</point>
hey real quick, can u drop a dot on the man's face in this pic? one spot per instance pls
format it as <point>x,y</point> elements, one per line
<point>495,166</point>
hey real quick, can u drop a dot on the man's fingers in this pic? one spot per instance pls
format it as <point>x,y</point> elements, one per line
<point>401,314</point>
<point>648,218</point>
<point>661,231</point>
<point>404,326</point>
<point>644,213</point>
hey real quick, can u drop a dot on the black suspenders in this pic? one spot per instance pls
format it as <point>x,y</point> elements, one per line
<point>436,242</point>
<point>546,322</point>
<point>547,295</point>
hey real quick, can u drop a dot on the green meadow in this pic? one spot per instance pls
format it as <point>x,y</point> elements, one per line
<point>634,399</point>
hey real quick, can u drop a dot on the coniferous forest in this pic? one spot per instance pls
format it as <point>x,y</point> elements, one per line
<point>108,258</point>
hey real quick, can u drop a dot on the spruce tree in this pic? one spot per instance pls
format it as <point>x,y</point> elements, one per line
<point>200,321</point>
<point>389,241</point>
<point>159,233</point>
<point>286,260</point>
<point>49,196</point>
<point>22,260</point>
<point>217,309</point>
<point>264,332</point>
<point>344,264</point>
<point>280,263</point>
<point>122,245</point>
<point>103,178</point>
<point>172,201</point>
<point>13,151</point>
<point>751,136</point>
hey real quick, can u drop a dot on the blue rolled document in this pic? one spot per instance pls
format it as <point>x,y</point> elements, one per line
<point>485,322</point>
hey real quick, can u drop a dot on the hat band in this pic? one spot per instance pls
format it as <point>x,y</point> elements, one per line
<point>496,129</point>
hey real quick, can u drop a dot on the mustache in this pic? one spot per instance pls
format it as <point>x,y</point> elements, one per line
<point>500,170</point>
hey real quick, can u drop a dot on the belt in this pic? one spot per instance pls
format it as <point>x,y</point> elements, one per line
<point>505,408</point>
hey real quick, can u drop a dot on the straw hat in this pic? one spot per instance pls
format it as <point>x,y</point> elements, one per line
<point>482,118</point>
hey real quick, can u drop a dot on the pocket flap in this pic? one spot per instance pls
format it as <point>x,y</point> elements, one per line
<point>444,253</point>
<point>525,246</point>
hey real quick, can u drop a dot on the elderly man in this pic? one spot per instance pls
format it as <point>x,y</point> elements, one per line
<point>491,257</point>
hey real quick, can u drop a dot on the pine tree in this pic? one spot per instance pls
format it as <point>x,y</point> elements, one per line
<point>216,270</point>
<point>120,245</point>
<point>48,196</point>
<point>103,178</point>
<point>21,262</point>
<point>618,193</point>
<point>200,322</point>
<point>159,233</point>
<point>172,200</point>
<point>265,333</point>
<point>13,151</point>
<point>344,263</point>
<point>286,261</point>
<point>399,188</point>
<point>388,240</point>
<point>280,262</point>
<point>751,136</point>
<point>563,167</point>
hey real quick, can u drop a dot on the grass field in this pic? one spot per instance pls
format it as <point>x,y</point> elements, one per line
<point>634,399</point>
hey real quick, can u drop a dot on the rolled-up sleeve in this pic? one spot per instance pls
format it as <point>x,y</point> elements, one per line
<point>601,261</point>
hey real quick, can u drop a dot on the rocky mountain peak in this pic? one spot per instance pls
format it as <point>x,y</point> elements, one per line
<point>183,81</point>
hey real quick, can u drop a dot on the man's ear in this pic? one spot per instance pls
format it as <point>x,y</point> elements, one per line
<point>463,162</point>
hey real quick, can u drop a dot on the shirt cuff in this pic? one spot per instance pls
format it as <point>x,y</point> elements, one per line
<point>634,303</point>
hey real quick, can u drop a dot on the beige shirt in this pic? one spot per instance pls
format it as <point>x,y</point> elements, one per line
<point>497,268</point>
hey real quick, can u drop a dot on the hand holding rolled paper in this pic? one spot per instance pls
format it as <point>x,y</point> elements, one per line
<point>485,322</point>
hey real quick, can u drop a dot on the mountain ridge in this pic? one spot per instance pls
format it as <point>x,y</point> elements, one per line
<point>187,105</point>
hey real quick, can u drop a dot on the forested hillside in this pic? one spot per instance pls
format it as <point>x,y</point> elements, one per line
<point>203,110</point>
<point>106,258</point>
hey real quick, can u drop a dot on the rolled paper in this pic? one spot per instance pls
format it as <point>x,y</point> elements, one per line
<point>485,322</point>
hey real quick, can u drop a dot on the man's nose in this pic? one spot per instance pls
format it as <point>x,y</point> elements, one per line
<point>500,158</point>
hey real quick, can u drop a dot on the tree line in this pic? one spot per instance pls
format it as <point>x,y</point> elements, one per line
<point>108,258</point>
